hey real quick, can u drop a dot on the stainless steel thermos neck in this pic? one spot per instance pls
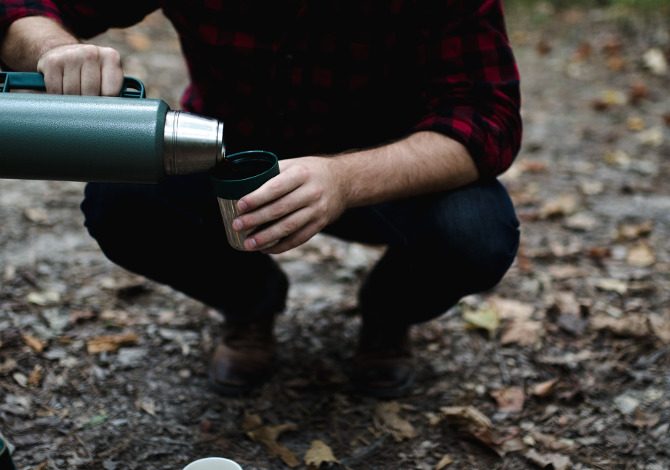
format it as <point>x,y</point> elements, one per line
<point>91,138</point>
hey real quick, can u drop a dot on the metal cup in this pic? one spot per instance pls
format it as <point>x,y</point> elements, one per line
<point>236,175</point>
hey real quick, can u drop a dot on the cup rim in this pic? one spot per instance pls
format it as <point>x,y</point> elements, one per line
<point>237,187</point>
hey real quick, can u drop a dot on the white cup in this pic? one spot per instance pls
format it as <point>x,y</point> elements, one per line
<point>213,463</point>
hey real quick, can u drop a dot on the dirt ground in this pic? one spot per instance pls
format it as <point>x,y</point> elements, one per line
<point>564,365</point>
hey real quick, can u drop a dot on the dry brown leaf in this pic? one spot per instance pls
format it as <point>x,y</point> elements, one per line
<point>565,204</point>
<point>251,421</point>
<point>473,422</point>
<point>146,404</point>
<point>654,59</point>
<point>35,377</point>
<point>34,343</point>
<point>633,324</point>
<point>444,462</point>
<point>612,285</point>
<point>510,399</point>
<point>37,215</point>
<point>7,366</point>
<point>543,389</point>
<point>510,309</point>
<point>635,123</point>
<point>556,461</point>
<point>387,418</point>
<point>45,298</point>
<point>641,255</point>
<point>110,343</point>
<point>552,442</point>
<point>522,332</point>
<point>634,231</point>
<point>268,435</point>
<point>318,453</point>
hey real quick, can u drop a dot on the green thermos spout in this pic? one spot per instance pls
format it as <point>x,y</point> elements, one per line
<point>94,138</point>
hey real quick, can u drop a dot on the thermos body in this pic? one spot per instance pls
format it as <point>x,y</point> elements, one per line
<point>110,139</point>
<point>81,138</point>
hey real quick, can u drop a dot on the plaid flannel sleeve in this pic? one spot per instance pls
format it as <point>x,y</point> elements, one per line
<point>84,19</point>
<point>472,85</point>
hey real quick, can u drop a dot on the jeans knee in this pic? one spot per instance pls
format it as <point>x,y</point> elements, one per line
<point>481,232</point>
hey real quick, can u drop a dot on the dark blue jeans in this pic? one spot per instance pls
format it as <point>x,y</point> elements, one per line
<point>439,248</point>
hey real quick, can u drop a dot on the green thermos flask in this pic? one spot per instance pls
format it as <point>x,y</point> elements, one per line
<point>94,138</point>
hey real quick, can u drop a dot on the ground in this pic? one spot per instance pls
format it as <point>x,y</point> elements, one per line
<point>565,364</point>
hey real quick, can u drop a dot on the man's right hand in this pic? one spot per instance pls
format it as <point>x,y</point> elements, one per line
<point>81,69</point>
<point>42,44</point>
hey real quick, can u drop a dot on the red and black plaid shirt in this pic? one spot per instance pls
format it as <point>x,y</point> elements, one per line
<point>318,76</point>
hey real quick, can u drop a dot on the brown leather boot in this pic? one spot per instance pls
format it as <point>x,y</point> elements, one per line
<point>383,365</point>
<point>245,357</point>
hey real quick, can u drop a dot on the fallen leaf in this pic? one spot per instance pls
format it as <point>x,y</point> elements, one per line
<point>522,332</point>
<point>251,421</point>
<point>511,309</point>
<point>633,231</point>
<point>543,389</point>
<point>485,318</point>
<point>444,462</point>
<point>510,399</point>
<point>608,99</point>
<point>581,222</point>
<point>562,205</point>
<point>268,435</point>
<point>556,461</point>
<point>148,405</point>
<point>552,442</point>
<point>20,379</point>
<point>37,215</point>
<point>614,285</point>
<point>473,422</point>
<point>637,91</point>
<point>43,298</point>
<point>641,255</point>
<point>318,453</point>
<point>387,418</point>
<point>632,325</point>
<point>652,137</point>
<point>635,123</point>
<point>34,343</point>
<point>7,366</point>
<point>617,158</point>
<point>35,377</point>
<point>655,61</point>
<point>110,343</point>
<point>519,327</point>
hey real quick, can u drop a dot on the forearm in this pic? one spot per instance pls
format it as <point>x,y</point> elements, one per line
<point>421,163</point>
<point>29,38</point>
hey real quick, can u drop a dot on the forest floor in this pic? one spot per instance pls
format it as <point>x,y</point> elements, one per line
<point>564,365</point>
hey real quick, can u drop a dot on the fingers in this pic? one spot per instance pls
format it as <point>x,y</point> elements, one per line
<point>84,69</point>
<point>279,232</point>
<point>111,72</point>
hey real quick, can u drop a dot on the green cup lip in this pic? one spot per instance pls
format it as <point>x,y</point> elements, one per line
<point>237,188</point>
